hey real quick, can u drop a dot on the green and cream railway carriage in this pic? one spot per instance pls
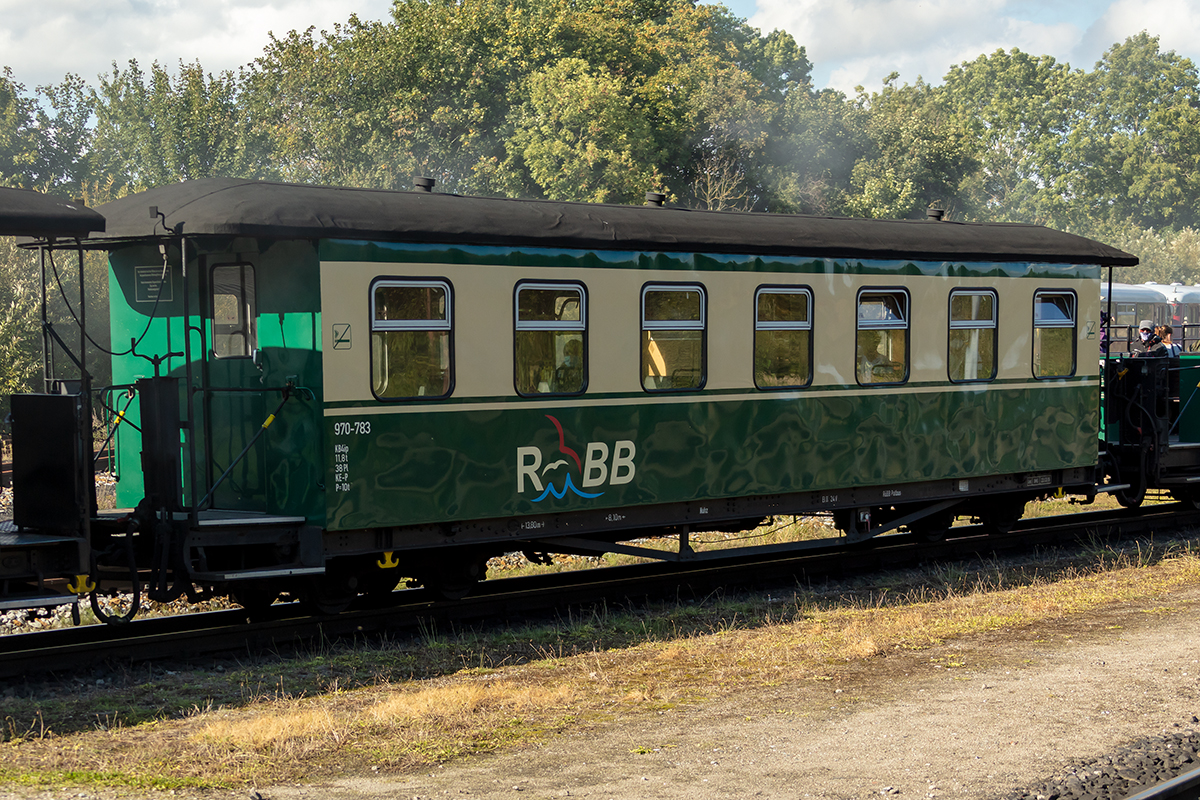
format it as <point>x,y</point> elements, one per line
<point>373,384</point>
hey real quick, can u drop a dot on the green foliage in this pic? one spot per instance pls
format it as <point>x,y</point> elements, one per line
<point>1134,152</point>
<point>1166,255</point>
<point>602,100</point>
<point>157,129</point>
<point>20,341</point>
<point>18,140</point>
<point>581,140</point>
<point>1017,108</point>
<point>920,154</point>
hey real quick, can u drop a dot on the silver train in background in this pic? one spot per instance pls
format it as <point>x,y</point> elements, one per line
<point>1172,304</point>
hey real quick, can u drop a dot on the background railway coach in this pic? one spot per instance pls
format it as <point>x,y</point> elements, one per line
<point>375,384</point>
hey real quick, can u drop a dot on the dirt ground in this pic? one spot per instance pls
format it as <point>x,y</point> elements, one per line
<point>973,719</point>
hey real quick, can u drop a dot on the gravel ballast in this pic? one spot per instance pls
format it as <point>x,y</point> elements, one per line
<point>1125,772</point>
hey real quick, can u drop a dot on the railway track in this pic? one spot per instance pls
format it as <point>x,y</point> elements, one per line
<point>1181,787</point>
<point>212,633</point>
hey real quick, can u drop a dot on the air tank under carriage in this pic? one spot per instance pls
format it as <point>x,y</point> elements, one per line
<point>319,391</point>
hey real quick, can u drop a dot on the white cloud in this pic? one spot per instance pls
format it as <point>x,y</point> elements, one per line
<point>859,42</point>
<point>1175,22</point>
<point>44,41</point>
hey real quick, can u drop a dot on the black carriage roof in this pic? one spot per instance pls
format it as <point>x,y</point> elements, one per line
<point>259,209</point>
<point>27,213</point>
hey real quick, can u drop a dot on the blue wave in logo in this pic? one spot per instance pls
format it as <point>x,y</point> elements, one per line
<point>560,495</point>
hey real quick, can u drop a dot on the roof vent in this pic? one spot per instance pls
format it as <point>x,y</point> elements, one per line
<point>935,214</point>
<point>655,199</point>
<point>424,184</point>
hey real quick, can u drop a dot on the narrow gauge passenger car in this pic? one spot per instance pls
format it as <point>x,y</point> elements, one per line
<point>327,389</point>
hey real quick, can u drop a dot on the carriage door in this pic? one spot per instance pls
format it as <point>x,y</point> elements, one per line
<point>235,402</point>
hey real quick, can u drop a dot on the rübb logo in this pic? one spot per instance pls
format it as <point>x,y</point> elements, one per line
<point>601,465</point>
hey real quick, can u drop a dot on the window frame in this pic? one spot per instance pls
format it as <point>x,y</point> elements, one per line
<point>551,325</point>
<point>1074,327</point>
<point>674,325</point>
<point>970,325</point>
<point>906,326</point>
<point>412,325</point>
<point>252,314</point>
<point>778,325</point>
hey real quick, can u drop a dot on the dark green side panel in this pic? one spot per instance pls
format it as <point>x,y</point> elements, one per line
<point>393,469</point>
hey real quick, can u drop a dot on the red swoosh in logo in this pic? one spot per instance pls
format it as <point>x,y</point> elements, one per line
<point>562,443</point>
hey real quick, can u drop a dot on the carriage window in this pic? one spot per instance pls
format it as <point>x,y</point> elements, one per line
<point>410,339</point>
<point>972,336</point>
<point>882,341</point>
<point>549,350</point>
<point>672,338</point>
<point>1053,334</point>
<point>234,319</point>
<point>782,337</point>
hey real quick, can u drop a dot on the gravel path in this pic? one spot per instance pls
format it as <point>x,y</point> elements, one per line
<point>992,718</point>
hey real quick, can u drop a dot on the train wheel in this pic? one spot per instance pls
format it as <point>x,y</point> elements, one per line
<point>1002,515</point>
<point>256,598</point>
<point>1133,496</point>
<point>380,587</point>
<point>454,581</point>
<point>1189,497</point>
<point>934,527</point>
<point>330,593</point>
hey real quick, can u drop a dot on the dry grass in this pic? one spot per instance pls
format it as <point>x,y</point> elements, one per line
<point>685,654</point>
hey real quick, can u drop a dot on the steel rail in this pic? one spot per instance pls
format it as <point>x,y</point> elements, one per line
<point>192,636</point>
<point>1185,786</point>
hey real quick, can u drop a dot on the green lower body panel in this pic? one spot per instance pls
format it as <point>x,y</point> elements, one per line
<point>389,469</point>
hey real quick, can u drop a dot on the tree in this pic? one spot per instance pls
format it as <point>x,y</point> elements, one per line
<point>572,99</point>
<point>64,137</point>
<point>20,335</point>
<point>820,137</point>
<point>921,155</point>
<point>1134,150</point>
<point>1019,108</point>
<point>18,142</point>
<point>581,140</point>
<point>152,130</point>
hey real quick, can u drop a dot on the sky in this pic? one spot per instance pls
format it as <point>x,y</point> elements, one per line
<point>850,42</point>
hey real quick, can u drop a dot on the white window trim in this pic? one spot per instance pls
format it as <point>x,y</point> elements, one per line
<point>783,325</point>
<point>551,325</point>
<point>1054,323</point>
<point>972,324</point>
<point>882,324</point>
<point>674,324</point>
<point>412,324</point>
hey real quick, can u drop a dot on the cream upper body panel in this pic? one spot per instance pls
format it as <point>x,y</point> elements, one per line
<point>483,325</point>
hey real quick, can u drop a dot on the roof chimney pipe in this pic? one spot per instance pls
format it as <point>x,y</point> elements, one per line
<point>655,199</point>
<point>935,214</point>
<point>424,184</point>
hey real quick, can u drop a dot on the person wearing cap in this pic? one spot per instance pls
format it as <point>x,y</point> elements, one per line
<point>1149,345</point>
